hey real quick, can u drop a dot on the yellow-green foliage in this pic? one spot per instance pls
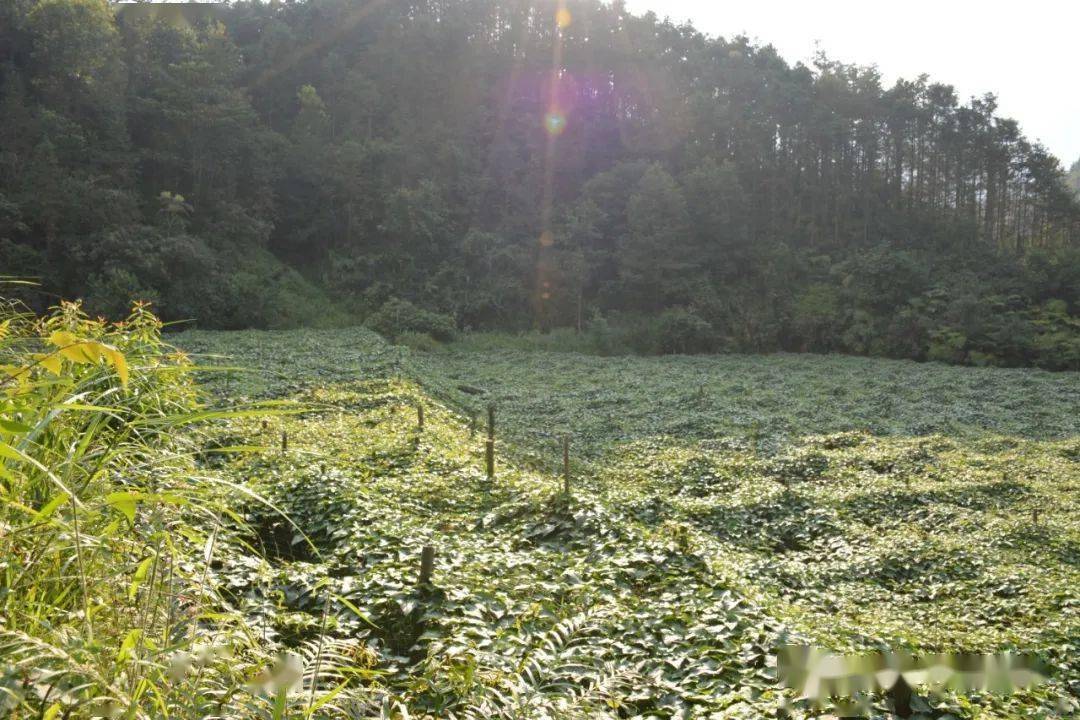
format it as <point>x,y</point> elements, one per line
<point>109,526</point>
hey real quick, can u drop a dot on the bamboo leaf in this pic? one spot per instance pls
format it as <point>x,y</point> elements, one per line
<point>10,452</point>
<point>119,363</point>
<point>53,362</point>
<point>124,502</point>
<point>280,701</point>
<point>139,577</point>
<point>75,350</point>
<point>13,427</point>
<point>326,698</point>
<point>50,507</point>
<point>128,645</point>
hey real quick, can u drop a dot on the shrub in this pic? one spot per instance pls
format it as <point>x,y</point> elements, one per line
<point>947,346</point>
<point>1057,344</point>
<point>561,340</point>
<point>682,331</point>
<point>397,317</point>
<point>112,292</point>
<point>603,337</point>
<point>817,317</point>
<point>263,293</point>
<point>188,279</point>
<point>421,342</point>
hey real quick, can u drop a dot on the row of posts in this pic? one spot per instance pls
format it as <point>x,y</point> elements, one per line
<point>427,554</point>
<point>489,445</point>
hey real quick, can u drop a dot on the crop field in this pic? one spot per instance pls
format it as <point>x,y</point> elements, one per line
<point>717,506</point>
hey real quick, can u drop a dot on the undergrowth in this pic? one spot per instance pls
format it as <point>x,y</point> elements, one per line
<point>111,526</point>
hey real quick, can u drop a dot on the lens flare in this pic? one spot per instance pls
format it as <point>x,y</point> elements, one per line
<point>547,239</point>
<point>555,122</point>
<point>563,18</point>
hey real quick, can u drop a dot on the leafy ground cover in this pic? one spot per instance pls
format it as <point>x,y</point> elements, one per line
<point>719,505</point>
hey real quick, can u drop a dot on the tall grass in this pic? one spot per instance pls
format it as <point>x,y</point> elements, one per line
<point>108,533</point>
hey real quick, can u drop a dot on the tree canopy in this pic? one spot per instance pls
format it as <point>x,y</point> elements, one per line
<point>516,167</point>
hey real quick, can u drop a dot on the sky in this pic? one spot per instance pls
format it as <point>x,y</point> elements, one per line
<point>1027,53</point>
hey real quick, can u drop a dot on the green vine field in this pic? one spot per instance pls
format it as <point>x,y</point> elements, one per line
<point>718,506</point>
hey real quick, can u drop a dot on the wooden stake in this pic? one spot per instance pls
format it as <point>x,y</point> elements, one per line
<point>566,463</point>
<point>472,424</point>
<point>490,446</point>
<point>284,441</point>
<point>1035,516</point>
<point>427,564</point>
<point>901,697</point>
<point>420,416</point>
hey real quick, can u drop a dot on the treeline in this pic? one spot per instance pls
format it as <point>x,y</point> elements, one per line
<point>523,165</point>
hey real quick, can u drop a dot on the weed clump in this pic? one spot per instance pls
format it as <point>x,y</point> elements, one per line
<point>397,318</point>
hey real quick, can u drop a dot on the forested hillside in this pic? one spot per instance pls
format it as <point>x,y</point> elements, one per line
<point>524,165</point>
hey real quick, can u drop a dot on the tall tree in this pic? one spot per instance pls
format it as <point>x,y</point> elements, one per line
<point>658,267</point>
<point>514,169</point>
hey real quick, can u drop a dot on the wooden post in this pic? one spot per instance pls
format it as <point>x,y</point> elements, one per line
<point>284,441</point>
<point>490,445</point>
<point>420,416</point>
<point>1035,516</point>
<point>472,424</point>
<point>901,697</point>
<point>427,564</point>
<point>566,463</point>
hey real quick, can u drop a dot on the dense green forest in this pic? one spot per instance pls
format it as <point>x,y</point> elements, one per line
<point>523,165</point>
